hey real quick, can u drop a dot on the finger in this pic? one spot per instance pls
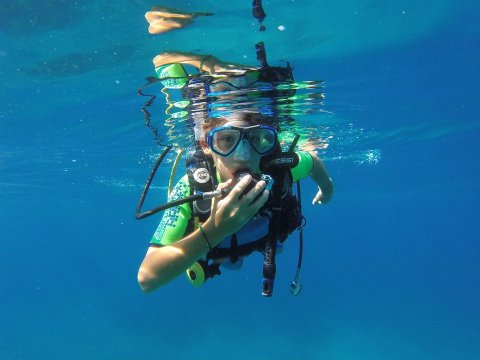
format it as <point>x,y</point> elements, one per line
<point>224,185</point>
<point>215,200</point>
<point>240,187</point>
<point>317,199</point>
<point>251,196</point>
<point>256,205</point>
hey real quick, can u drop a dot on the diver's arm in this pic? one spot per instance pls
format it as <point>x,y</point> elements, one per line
<point>207,63</point>
<point>319,174</point>
<point>228,215</point>
<point>162,264</point>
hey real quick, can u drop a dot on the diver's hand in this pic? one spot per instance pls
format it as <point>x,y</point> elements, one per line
<point>323,195</point>
<point>204,63</point>
<point>213,65</point>
<point>231,213</point>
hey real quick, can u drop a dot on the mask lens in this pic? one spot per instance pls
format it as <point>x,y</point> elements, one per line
<point>225,140</point>
<point>263,140</point>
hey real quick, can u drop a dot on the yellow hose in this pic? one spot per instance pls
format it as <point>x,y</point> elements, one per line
<point>174,171</point>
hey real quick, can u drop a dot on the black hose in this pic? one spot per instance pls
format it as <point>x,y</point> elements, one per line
<point>168,206</point>
<point>138,214</point>
<point>300,250</point>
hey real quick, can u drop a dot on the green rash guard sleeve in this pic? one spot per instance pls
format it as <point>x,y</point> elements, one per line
<point>304,167</point>
<point>175,220</point>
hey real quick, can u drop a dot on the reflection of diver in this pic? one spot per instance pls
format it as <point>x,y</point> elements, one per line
<point>198,86</point>
<point>233,152</point>
<point>220,86</point>
<point>163,19</point>
<point>258,13</point>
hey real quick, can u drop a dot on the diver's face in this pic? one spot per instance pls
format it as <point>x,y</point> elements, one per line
<point>243,157</point>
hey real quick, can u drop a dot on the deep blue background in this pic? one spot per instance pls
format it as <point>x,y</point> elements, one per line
<point>390,266</point>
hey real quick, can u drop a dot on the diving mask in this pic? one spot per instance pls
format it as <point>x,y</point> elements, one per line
<point>225,139</point>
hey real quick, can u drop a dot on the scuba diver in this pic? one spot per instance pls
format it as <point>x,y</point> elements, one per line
<point>244,179</point>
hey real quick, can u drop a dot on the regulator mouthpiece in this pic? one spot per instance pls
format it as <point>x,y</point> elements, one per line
<point>241,173</point>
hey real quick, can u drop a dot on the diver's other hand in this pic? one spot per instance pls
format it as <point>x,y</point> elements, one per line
<point>324,194</point>
<point>231,213</point>
<point>163,19</point>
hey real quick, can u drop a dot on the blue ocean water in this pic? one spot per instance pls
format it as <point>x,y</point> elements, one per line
<point>390,265</point>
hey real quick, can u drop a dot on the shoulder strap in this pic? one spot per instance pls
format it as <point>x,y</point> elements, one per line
<point>201,178</point>
<point>283,205</point>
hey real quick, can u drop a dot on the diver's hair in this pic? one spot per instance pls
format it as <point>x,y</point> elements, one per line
<point>213,123</point>
<point>252,118</point>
